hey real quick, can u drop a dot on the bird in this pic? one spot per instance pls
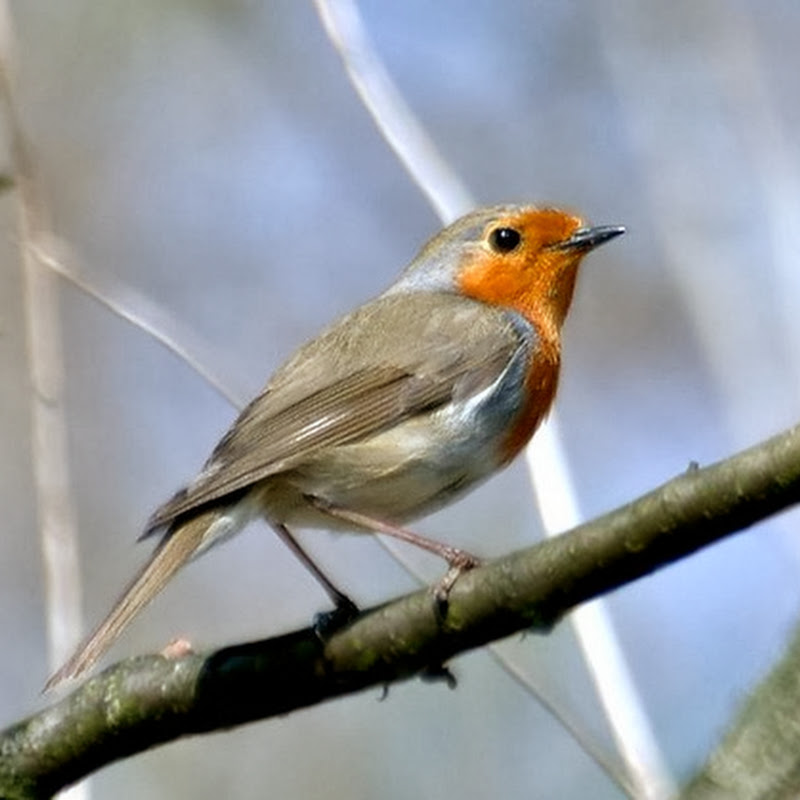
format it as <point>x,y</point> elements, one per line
<point>393,411</point>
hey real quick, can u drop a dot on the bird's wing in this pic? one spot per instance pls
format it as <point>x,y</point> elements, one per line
<point>338,391</point>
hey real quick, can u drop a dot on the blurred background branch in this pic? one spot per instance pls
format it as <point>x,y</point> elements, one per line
<point>50,459</point>
<point>50,456</point>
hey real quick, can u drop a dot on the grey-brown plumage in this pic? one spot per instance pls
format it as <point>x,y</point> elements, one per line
<point>391,360</point>
<point>172,552</point>
<point>407,402</point>
<point>325,398</point>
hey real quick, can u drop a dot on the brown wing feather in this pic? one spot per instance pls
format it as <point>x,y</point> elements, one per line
<point>337,406</point>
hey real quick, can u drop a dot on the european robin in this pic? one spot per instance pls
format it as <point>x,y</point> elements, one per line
<point>392,412</point>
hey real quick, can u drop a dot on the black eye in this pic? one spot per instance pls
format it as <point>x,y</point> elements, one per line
<point>504,240</point>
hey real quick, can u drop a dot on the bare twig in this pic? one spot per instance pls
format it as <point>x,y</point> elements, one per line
<point>630,726</point>
<point>55,505</point>
<point>58,531</point>
<point>145,314</point>
<point>395,120</point>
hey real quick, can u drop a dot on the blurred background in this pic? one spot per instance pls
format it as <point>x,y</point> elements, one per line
<point>213,158</point>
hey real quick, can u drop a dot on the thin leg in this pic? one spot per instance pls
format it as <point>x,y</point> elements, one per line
<point>458,560</point>
<point>338,597</point>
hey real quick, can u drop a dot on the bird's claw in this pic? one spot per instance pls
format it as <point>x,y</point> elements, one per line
<point>460,561</point>
<point>326,623</point>
<point>439,672</point>
<point>177,648</point>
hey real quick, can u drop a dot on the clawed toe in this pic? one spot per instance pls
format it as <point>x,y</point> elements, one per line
<point>439,672</point>
<point>460,561</point>
<point>326,623</point>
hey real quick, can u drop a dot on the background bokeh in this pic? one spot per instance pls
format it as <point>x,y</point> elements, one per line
<point>213,157</point>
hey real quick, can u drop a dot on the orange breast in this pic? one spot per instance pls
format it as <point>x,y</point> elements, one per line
<point>536,278</point>
<point>540,389</point>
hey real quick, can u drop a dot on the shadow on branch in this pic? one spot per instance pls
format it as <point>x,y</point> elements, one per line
<point>145,701</point>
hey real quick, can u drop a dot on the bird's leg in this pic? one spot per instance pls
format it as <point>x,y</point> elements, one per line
<point>345,609</point>
<point>458,560</point>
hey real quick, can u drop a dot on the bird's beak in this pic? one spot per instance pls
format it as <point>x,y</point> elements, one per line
<point>586,239</point>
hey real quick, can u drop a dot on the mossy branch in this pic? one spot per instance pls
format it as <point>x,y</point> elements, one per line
<point>145,701</point>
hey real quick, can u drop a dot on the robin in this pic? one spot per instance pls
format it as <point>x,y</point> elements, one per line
<point>392,412</point>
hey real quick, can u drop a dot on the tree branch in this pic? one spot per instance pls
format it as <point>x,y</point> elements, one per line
<point>145,701</point>
<point>759,757</point>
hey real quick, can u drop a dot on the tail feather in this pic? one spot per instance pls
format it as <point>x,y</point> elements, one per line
<point>177,547</point>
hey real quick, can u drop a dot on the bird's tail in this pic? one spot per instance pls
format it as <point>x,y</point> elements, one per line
<point>178,546</point>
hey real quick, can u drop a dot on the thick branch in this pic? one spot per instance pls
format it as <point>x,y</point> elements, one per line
<point>145,701</point>
<point>759,758</point>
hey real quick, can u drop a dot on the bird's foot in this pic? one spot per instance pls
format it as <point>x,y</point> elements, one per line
<point>439,672</point>
<point>460,561</point>
<point>326,623</point>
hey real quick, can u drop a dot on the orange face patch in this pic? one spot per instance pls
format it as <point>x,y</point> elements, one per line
<point>534,276</point>
<point>519,265</point>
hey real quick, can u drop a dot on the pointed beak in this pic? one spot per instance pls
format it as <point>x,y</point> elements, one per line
<point>586,239</point>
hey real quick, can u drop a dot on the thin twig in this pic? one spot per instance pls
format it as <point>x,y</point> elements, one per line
<point>55,506</point>
<point>58,530</point>
<point>630,726</point>
<point>396,122</point>
<point>145,314</point>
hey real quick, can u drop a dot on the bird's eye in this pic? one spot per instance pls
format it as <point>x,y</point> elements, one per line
<point>504,240</point>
